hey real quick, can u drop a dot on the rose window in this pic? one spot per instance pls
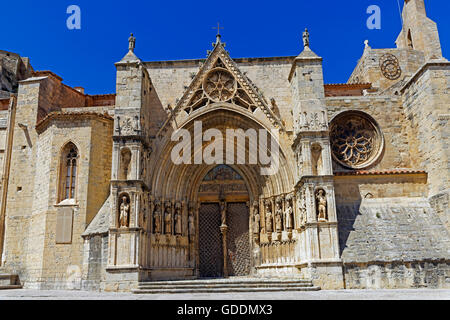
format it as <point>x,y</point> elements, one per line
<point>219,85</point>
<point>356,140</point>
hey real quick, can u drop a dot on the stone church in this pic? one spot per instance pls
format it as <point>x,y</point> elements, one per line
<point>92,199</point>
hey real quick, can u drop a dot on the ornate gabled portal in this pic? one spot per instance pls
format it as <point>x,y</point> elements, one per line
<point>224,243</point>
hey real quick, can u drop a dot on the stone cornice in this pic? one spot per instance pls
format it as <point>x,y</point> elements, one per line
<point>42,125</point>
<point>422,69</point>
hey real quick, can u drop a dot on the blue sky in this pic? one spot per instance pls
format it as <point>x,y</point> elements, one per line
<point>171,30</point>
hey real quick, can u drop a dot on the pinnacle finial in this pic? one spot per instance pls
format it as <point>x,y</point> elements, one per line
<point>218,36</point>
<point>306,38</point>
<point>131,43</point>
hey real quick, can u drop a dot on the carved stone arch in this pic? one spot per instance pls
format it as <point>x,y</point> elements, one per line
<point>172,181</point>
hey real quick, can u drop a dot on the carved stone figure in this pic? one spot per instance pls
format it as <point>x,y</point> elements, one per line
<point>157,217</point>
<point>321,205</point>
<point>178,223</point>
<point>191,224</point>
<point>268,216</point>
<point>303,207</point>
<point>256,218</point>
<point>168,218</point>
<point>306,38</point>
<point>124,212</point>
<point>131,43</point>
<point>278,216</point>
<point>288,214</point>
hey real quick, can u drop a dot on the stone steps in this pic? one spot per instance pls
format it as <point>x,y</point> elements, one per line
<point>9,281</point>
<point>225,285</point>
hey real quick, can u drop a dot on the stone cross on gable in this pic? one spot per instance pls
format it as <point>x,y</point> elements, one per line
<point>218,36</point>
<point>131,43</point>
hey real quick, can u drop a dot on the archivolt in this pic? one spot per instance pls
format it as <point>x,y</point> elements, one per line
<point>181,182</point>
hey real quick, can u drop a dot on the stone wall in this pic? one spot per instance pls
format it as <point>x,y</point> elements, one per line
<point>393,243</point>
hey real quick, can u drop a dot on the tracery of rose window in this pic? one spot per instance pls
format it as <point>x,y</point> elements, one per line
<point>356,140</point>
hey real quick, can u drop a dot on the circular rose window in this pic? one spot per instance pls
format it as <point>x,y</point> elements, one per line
<point>219,85</point>
<point>356,140</point>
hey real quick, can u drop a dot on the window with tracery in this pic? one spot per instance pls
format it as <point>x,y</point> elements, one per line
<point>220,85</point>
<point>69,172</point>
<point>356,140</point>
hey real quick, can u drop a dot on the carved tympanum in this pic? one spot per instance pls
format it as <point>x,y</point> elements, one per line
<point>356,141</point>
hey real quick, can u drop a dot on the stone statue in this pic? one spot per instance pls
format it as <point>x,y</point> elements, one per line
<point>256,218</point>
<point>288,214</point>
<point>306,38</point>
<point>157,217</point>
<point>268,216</point>
<point>131,43</point>
<point>178,217</point>
<point>168,218</point>
<point>191,224</point>
<point>278,216</point>
<point>303,207</point>
<point>124,212</point>
<point>321,205</point>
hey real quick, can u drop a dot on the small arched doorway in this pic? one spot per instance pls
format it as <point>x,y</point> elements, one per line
<point>224,242</point>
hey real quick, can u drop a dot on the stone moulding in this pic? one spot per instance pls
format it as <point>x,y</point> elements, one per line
<point>42,125</point>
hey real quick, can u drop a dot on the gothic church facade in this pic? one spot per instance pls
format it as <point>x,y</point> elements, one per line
<point>91,198</point>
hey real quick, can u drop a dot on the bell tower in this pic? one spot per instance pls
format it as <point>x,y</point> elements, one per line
<point>419,32</point>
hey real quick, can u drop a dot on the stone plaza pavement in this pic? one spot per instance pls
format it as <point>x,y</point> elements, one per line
<point>393,294</point>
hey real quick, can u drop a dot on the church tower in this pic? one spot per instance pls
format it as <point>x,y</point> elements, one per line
<point>314,186</point>
<point>419,32</point>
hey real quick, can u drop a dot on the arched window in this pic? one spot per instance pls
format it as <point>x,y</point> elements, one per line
<point>69,167</point>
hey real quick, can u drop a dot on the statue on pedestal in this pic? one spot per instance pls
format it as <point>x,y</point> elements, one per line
<point>178,217</point>
<point>191,222</point>
<point>124,212</point>
<point>256,218</point>
<point>278,216</point>
<point>321,205</point>
<point>168,218</point>
<point>269,228</point>
<point>288,214</point>
<point>157,217</point>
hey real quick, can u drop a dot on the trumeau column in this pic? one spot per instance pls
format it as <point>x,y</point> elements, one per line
<point>318,231</point>
<point>128,229</point>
